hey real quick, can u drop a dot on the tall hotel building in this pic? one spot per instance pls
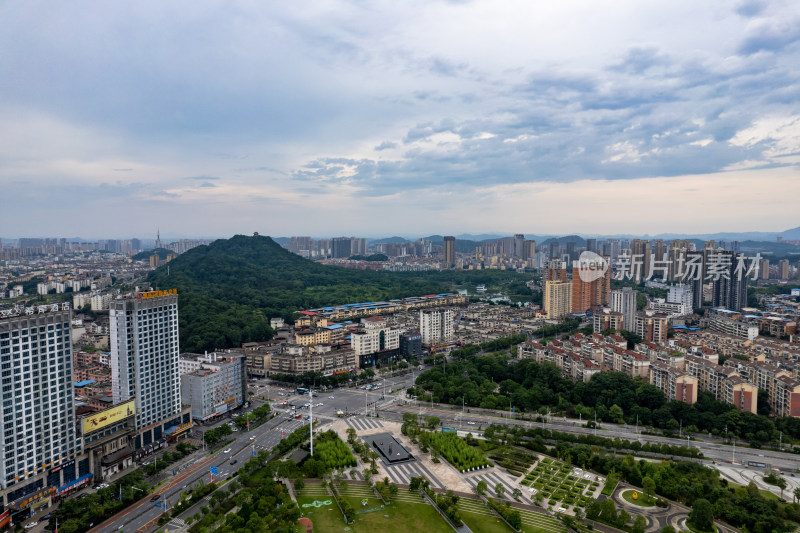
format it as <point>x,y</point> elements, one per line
<point>144,364</point>
<point>38,439</point>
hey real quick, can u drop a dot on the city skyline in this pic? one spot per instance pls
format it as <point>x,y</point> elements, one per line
<point>217,119</point>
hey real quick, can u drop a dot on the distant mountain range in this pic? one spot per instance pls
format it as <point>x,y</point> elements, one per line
<point>754,236</point>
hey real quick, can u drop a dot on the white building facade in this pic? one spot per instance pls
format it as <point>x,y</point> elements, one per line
<point>436,326</point>
<point>144,355</point>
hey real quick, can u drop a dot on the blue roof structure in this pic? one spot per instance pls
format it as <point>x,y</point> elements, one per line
<point>84,383</point>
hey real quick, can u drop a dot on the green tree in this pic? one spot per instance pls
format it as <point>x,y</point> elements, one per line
<point>781,484</point>
<point>639,524</point>
<point>649,486</point>
<point>702,515</point>
<point>667,529</point>
<point>499,489</point>
<point>616,414</point>
<point>481,487</point>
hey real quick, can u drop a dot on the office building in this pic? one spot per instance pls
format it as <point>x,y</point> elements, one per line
<point>376,336</point>
<point>557,298</point>
<point>217,387</point>
<point>38,450</point>
<point>624,301</point>
<point>410,344</point>
<point>436,326</point>
<point>144,363</point>
<point>108,437</point>
<point>591,245</point>
<point>449,252</point>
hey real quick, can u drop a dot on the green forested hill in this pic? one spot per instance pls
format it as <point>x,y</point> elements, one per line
<point>230,289</point>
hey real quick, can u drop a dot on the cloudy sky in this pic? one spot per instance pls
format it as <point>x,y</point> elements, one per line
<point>382,117</point>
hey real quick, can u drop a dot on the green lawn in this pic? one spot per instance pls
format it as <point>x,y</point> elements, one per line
<point>539,523</point>
<point>325,518</point>
<point>406,513</point>
<point>641,501</point>
<point>479,518</point>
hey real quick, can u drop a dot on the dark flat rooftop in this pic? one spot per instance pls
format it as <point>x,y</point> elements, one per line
<point>389,448</point>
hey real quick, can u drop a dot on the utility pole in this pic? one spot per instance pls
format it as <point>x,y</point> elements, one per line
<point>462,410</point>
<point>733,453</point>
<point>780,441</point>
<point>637,424</point>
<point>311,419</point>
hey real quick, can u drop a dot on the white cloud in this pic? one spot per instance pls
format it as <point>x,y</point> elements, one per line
<point>289,106</point>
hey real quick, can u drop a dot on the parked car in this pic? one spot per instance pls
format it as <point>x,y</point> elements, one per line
<point>227,451</point>
<point>234,461</point>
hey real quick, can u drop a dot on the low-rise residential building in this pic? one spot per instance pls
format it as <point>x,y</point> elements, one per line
<point>674,383</point>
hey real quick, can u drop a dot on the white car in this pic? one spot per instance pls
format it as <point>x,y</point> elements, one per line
<point>471,423</point>
<point>227,451</point>
<point>31,525</point>
<point>331,397</point>
<point>252,438</point>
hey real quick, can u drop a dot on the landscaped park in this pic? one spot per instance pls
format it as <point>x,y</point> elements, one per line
<point>561,486</point>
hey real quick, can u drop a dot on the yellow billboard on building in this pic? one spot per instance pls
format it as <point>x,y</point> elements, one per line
<point>109,416</point>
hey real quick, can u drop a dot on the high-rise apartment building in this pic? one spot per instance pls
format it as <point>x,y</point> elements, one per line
<point>624,301</point>
<point>729,287</point>
<point>436,326</point>
<point>556,270</point>
<point>341,247</point>
<point>783,269</point>
<point>659,250</point>
<point>519,243</point>
<point>38,446</point>
<point>640,254</point>
<point>144,362</point>
<point>358,246</point>
<point>591,245</point>
<point>529,250</point>
<point>692,272</point>
<point>590,294</point>
<point>571,251</point>
<point>763,269</point>
<point>450,251</point>
<point>557,298</point>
